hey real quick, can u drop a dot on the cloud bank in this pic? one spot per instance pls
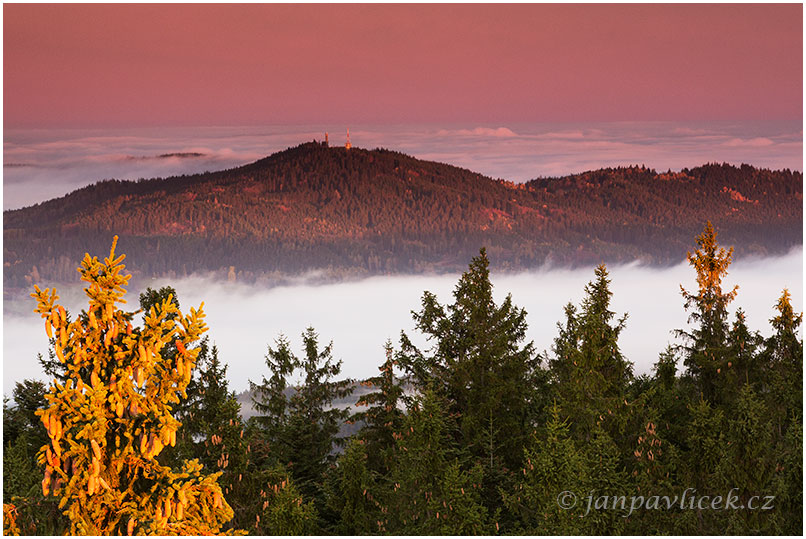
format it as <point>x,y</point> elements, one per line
<point>359,316</point>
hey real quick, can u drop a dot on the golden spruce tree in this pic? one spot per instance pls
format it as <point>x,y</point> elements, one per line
<point>110,418</point>
<point>708,351</point>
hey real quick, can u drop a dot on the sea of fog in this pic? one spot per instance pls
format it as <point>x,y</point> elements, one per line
<point>360,316</point>
<point>43,164</point>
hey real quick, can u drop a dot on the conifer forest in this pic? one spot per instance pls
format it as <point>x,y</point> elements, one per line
<point>402,269</point>
<point>478,433</point>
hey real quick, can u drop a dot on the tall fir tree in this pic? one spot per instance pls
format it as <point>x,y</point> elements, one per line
<point>783,354</point>
<point>382,417</point>
<point>590,374</point>
<point>431,494</point>
<point>301,424</point>
<point>552,465</point>
<point>480,363</point>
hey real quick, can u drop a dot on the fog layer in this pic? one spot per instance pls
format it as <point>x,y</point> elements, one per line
<point>359,316</point>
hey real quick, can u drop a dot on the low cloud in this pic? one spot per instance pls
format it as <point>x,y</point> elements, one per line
<point>359,316</point>
<point>753,142</point>
<point>479,132</point>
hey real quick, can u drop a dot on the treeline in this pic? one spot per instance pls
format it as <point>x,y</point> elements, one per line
<point>491,440</point>
<point>374,212</point>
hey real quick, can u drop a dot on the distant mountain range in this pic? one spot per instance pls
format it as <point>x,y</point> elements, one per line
<point>358,212</point>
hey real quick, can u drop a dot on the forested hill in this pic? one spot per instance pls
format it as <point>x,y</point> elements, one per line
<point>357,212</point>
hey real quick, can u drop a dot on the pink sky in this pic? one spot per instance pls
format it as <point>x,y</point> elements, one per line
<point>151,65</point>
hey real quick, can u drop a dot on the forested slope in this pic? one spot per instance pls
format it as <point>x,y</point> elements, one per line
<point>367,212</point>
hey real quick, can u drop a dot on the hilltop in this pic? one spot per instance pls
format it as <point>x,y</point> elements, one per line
<point>363,212</point>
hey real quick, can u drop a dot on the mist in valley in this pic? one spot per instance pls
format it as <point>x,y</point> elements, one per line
<point>359,316</point>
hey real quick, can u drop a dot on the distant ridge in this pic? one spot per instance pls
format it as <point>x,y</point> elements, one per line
<point>353,212</point>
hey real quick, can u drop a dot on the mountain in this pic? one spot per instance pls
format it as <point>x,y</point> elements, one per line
<point>360,212</point>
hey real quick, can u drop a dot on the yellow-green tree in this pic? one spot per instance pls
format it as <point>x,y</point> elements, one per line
<point>707,353</point>
<point>109,420</point>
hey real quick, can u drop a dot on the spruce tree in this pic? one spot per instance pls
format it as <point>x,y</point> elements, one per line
<point>280,508</point>
<point>749,466</point>
<point>479,364</point>
<point>783,356</point>
<point>590,374</point>
<point>707,352</point>
<point>789,483</point>
<point>743,366</point>
<point>668,397</point>
<point>605,477</point>
<point>431,494</point>
<point>382,417</point>
<point>23,435</point>
<point>702,462</point>
<point>29,396</point>
<point>552,465</point>
<point>351,495</point>
<point>110,419</point>
<point>302,427</point>
<point>30,512</point>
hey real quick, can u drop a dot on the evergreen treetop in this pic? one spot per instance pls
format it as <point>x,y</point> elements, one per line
<point>113,416</point>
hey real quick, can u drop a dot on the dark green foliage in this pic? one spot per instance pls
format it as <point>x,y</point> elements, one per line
<point>590,374</point>
<point>489,439</point>
<point>300,426</point>
<point>783,360</point>
<point>23,436</point>
<point>749,466</point>
<point>431,494</point>
<point>479,364</point>
<point>211,409</point>
<point>552,465</point>
<point>152,298</point>
<point>350,493</point>
<point>605,476</point>
<point>383,416</point>
<point>29,396</point>
<point>20,470</point>
<point>276,506</point>
<point>213,432</point>
<point>789,480</point>
<point>34,515</point>
<point>744,365</point>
